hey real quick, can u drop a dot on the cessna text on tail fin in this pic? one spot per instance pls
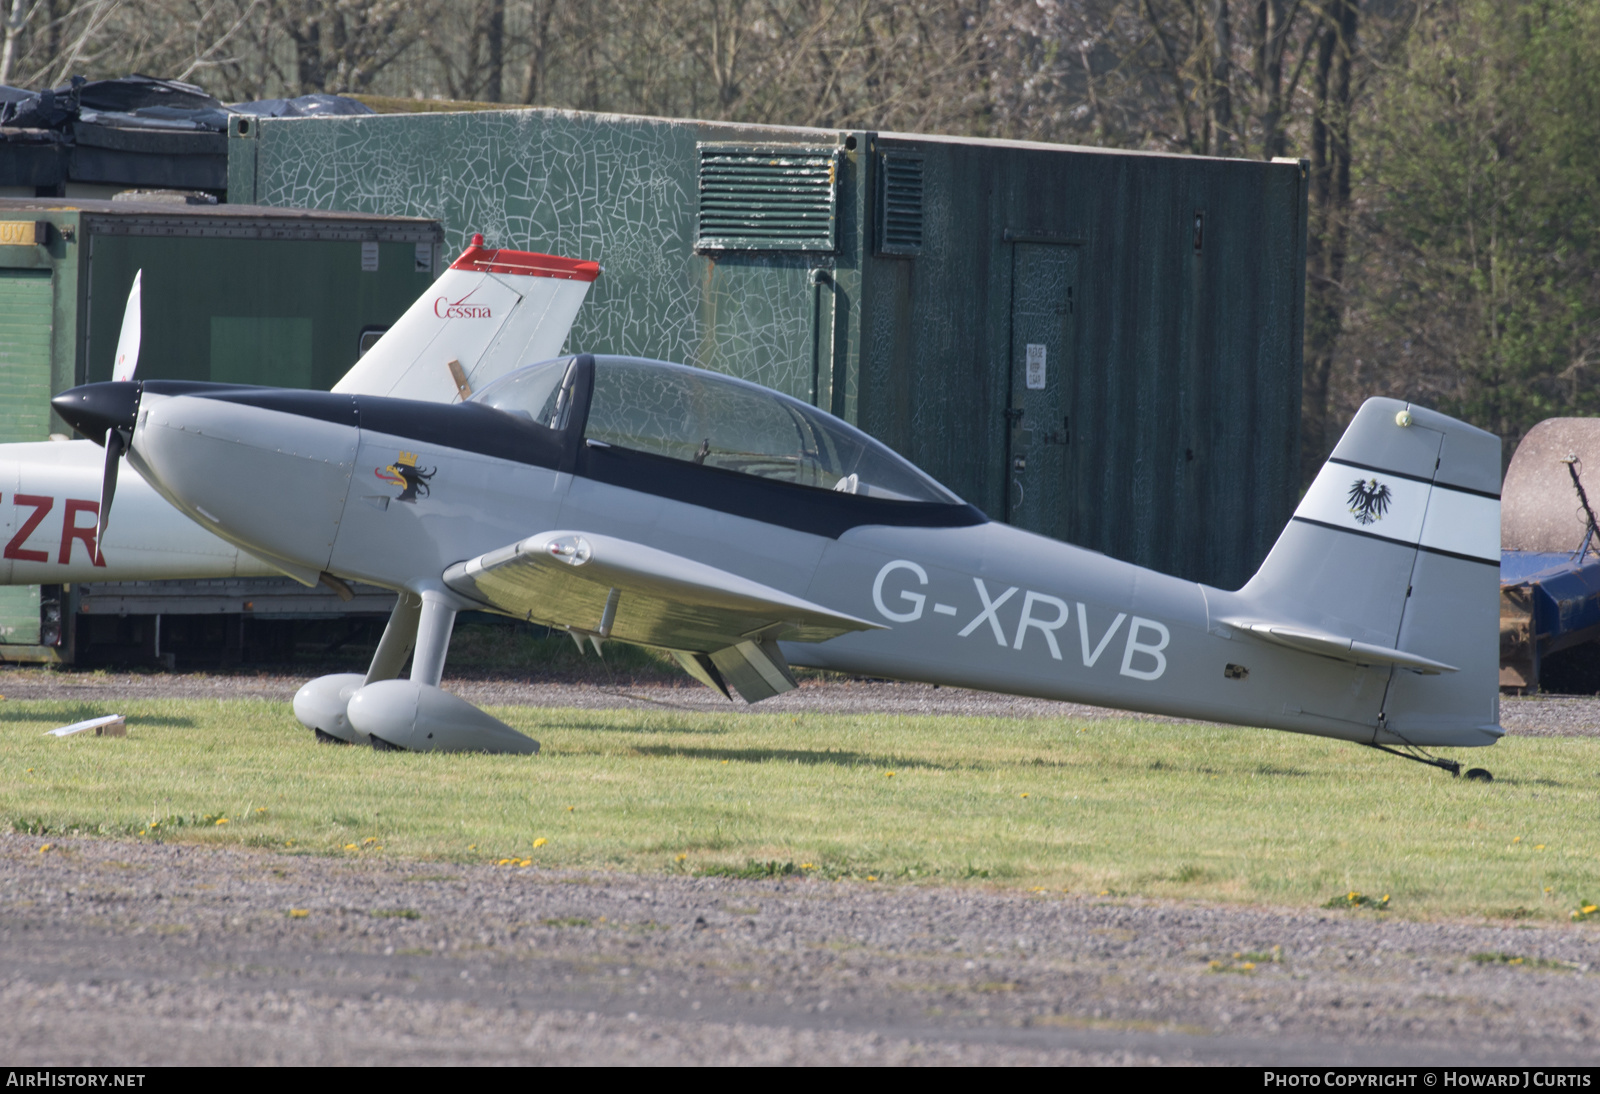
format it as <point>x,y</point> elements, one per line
<point>491,311</point>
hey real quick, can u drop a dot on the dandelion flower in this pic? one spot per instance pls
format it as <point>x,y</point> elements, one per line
<point>350,847</point>
<point>888,774</point>
<point>299,913</point>
<point>222,820</point>
<point>570,808</point>
<point>369,839</point>
<point>45,848</point>
<point>1022,795</point>
<point>1248,966</point>
<point>1538,847</point>
<point>808,866</point>
<point>540,842</point>
<point>262,809</point>
<point>682,858</point>
<point>872,877</point>
<point>526,862</point>
<point>1516,839</point>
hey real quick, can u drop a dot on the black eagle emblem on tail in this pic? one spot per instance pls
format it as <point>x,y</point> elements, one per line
<point>1369,500</point>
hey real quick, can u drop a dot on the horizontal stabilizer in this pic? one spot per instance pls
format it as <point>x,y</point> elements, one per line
<point>643,595</point>
<point>1343,649</point>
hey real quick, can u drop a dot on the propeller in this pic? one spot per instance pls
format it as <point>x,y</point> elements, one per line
<point>127,359</point>
<point>122,370</point>
<point>105,413</point>
<point>115,447</point>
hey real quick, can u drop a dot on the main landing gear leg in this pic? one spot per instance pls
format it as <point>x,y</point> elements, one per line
<point>437,620</point>
<point>398,638</point>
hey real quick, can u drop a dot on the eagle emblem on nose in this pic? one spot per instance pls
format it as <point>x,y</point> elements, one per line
<point>405,473</point>
<point>1369,500</point>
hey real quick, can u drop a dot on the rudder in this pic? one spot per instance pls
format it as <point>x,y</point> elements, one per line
<point>1397,544</point>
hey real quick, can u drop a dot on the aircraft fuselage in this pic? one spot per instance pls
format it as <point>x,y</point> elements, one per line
<point>393,493</point>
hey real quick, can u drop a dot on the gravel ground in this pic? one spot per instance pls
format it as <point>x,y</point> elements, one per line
<point>128,954</point>
<point>122,953</point>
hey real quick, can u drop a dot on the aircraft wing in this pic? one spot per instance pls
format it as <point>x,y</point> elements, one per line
<point>723,628</point>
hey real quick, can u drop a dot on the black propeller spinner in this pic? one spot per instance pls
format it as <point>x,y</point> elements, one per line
<point>105,414</point>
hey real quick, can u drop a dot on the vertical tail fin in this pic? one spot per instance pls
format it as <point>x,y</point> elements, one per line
<point>490,312</point>
<point>1397,545</point>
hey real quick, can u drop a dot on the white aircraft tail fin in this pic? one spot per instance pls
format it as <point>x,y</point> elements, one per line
<point>490,312</point>
<point>1395,552</point>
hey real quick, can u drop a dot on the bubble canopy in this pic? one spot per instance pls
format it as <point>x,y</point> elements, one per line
<point>712,420</point>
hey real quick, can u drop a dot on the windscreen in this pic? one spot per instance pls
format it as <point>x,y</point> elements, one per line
<point>704,418</point>
<point>537,393</point>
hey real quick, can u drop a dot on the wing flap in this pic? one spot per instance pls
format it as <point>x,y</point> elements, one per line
<point>1343,649</point>
<point>566,579</point>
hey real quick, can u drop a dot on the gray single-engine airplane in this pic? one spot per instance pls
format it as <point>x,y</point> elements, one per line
<point>748,532</point>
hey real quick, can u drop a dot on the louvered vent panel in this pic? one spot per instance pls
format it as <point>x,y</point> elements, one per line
<point>900,205</point>
<point>780,198</point>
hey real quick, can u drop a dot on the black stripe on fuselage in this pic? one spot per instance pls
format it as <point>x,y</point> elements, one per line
<point>788,505</point>
<point>471,427</point>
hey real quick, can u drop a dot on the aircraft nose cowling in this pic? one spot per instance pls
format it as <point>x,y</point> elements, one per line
<point>271,481</point>
<point>92,409</point>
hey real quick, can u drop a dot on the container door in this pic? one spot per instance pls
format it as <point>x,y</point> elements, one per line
<point>25,321</point>
<point>1043,298</point>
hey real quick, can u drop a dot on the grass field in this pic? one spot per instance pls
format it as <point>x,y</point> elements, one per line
<point>1130,808</point>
